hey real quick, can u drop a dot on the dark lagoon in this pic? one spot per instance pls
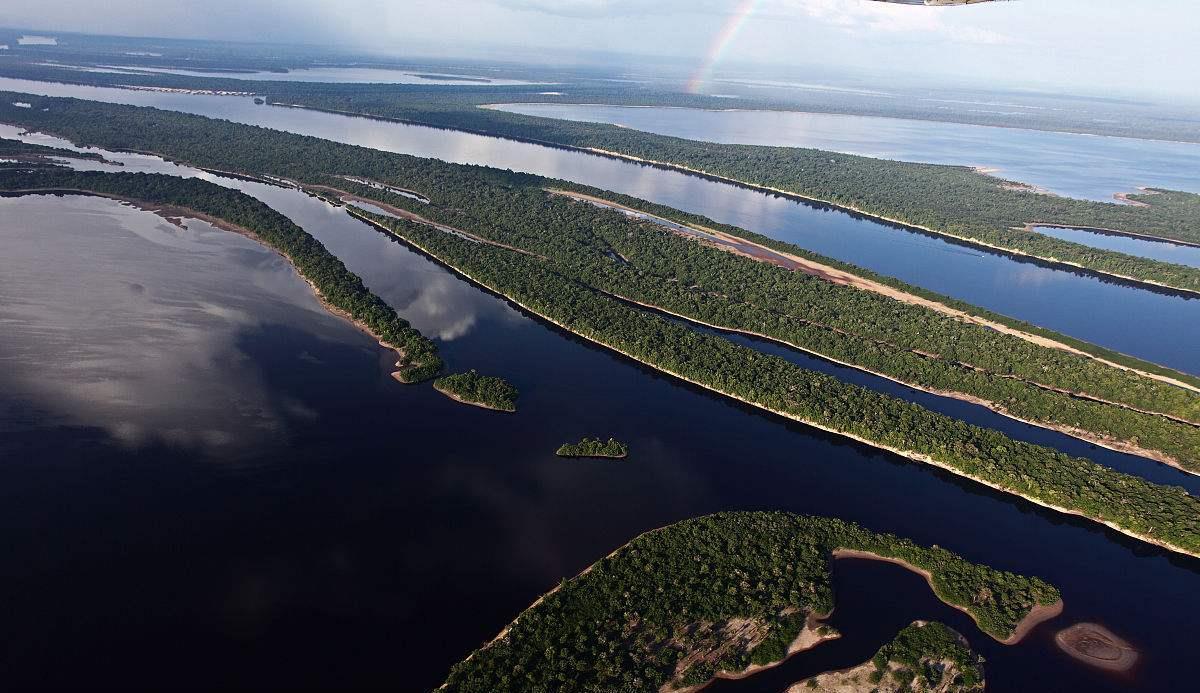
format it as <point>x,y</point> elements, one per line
<point>1084,166</point>
<point>1126,318</point>
<point>284,515</point>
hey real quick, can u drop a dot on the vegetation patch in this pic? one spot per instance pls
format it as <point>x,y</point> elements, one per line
<point>484,391</point>
<point>594,447</point>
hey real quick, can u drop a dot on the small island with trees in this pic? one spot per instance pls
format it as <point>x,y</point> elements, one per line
<point>484,391</point>
<point>594,447</point>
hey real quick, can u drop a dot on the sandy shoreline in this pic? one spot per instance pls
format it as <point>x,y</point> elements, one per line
<point>845,278</point>
<point>1037,615</point>
<point>481,405</point>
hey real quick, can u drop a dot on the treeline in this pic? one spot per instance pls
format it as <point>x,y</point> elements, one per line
<point>481,390</point>
<point>1161,514</point>
<point>629,621</point>
<point>594,447</point>
<point>337,285</point>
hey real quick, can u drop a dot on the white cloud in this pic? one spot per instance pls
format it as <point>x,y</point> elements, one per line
<point>864,17</point>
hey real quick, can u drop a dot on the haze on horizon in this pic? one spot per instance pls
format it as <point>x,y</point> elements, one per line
<point>1081,46</point>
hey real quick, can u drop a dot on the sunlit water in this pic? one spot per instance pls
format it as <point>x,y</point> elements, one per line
<point>1083,166</point>
<point>1119,316</point>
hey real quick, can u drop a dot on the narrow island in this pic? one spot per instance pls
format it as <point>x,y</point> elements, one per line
<point>726,596</point>
<point>484,391</point>
<point>925,657</point>
<point>594,447</point>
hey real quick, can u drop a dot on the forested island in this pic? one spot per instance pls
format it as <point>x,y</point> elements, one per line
<point>484,391</point>
<point>725,595</point>
<point>923,658</point>
<point>1079,389</point>
<point>564,285</point>
<point>339,288</point>
<point>594,447</point>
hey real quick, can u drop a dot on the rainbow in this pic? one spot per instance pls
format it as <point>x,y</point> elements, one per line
<point>720,43</point>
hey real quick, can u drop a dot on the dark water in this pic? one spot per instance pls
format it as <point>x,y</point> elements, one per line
<point>347,532</point>
<point>1157,250</point>
<point>1128,319</point>
<point>1083,166</point>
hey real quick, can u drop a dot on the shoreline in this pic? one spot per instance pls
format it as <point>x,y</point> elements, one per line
<point>1037,615</point>
<point>1116,232</point>
<point>907,454</point>
<point>461,400</point>
<point>808,638</point>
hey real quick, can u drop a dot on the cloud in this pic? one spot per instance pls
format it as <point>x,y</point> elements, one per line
<point>615,8</point>
<point>864,17</point>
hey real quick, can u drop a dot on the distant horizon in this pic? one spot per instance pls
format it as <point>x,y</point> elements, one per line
<point>1085,46</point>
<point>667,67</point>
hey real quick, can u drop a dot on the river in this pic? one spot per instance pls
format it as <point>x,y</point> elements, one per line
<point>1126,318</point>
<point>291,517</point>
<point>1083,166</point>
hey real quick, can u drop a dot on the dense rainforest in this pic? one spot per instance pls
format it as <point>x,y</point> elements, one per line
<point>663,609</point>
<point>337,286</point>
<point>909,343</point>
<point>550,288</point>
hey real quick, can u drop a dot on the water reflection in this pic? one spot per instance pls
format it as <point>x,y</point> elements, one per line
<point>1157,250</point>
<point>117,319</point>
<point>1083,166</point>
<point>1110,313</point>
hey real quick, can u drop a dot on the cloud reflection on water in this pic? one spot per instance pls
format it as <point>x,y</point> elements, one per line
<point>117,319</point>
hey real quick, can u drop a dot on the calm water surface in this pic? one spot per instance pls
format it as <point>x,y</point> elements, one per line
<point>344,531</point>
<point>1083,166</point>
<point>1128,319</point>
<point>1157,250</point>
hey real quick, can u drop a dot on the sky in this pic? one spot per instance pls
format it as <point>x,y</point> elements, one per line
<point>1092,46</point>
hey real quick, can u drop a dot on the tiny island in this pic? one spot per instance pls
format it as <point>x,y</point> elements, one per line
<point>594,447</point>
<point>484,391</point>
